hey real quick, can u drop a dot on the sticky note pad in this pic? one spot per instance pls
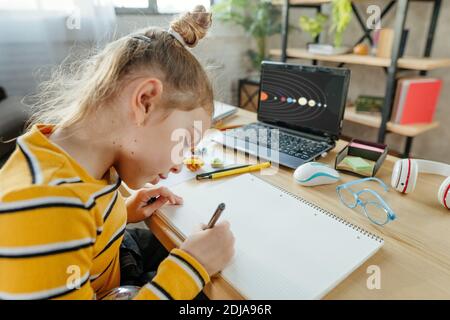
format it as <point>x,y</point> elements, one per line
<point>357,163</point>
<point>365,147</point>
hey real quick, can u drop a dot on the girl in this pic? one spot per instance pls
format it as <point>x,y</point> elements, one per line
<point>62,218</point>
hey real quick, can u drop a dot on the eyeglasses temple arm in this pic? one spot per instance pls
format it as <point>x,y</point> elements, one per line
<point>348,184</point>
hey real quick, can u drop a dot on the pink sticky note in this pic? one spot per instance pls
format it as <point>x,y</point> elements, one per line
<point>365,147</point>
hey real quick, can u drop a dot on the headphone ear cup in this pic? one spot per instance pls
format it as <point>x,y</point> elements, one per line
<point>412,179</point>
<point>406,176</point>
<point>444,193</point>
<point>395,178</point>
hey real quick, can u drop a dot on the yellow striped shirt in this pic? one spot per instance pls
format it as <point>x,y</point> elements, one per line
<point>61,230</point>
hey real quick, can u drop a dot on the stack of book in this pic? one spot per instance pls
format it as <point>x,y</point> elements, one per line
<point>370,104</point>
<point>416,100</point>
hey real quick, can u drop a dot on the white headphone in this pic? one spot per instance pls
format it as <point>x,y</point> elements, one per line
<point>404,177</point>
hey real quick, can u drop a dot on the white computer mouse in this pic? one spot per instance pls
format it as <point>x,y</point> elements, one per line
<point>314,174</point>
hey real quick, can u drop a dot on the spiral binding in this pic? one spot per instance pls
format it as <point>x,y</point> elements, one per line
<point>328,213</point>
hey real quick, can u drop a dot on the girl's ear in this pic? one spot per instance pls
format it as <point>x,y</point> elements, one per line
<point>145,98</point>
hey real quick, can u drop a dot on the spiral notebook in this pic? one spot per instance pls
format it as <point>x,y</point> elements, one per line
<point>286,247</point>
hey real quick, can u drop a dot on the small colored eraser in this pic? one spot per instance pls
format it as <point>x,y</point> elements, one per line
<point>217,163</point>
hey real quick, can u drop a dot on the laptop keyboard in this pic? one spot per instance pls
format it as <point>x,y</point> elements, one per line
<point>295,146</point>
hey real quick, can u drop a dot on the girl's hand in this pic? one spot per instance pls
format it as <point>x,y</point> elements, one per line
<point>213,248</point>
<point>137,207</point>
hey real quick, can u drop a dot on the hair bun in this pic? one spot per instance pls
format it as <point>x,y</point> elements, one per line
<point>192,26</point>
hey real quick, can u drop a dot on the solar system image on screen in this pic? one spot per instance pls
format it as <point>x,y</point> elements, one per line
<point>301,98</point>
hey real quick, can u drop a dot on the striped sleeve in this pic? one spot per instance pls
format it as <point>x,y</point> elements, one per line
<point>179,277</point>
<point>46,245</point>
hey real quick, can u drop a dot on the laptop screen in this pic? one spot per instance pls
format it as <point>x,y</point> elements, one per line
<point>305,98</point>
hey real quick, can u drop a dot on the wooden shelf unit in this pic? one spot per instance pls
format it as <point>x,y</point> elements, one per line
<point>392,65</point>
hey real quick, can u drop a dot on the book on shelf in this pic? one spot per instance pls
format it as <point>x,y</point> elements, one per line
<point>369,104</point>
<point>416,100</point>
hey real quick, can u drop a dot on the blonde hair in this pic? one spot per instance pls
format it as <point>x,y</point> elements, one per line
<point>75,91</point>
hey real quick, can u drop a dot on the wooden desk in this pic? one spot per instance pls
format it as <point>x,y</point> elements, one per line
<point>415,259</point>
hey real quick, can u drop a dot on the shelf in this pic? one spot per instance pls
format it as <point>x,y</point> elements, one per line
<point>393,65</point>
<point>405,63</point>
<point>374,121</point>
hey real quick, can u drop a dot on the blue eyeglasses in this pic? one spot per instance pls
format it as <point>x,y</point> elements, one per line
<point>377,210</point>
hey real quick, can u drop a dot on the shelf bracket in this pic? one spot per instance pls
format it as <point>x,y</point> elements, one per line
<point>408,145</point>
<point>400,19</point>
<point>284,30</point>
<point>368,32</point>
<point>432,31</point>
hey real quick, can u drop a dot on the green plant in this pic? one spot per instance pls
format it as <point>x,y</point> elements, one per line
<point>259,18</point>
<point>341,14</point>
<point>314,26</point>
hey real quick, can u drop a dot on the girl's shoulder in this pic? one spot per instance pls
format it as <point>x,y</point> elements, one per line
<point>60,192</point>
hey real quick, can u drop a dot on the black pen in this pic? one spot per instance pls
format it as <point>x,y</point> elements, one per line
<point>152,200</point>
<point>204,175</point>
<point>216,216</point>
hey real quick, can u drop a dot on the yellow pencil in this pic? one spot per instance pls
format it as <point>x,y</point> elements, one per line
<point>237,171</point>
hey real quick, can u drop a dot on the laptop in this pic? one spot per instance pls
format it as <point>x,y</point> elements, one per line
<point>300,114</point>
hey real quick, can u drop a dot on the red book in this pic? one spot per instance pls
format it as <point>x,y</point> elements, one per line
<point>417,100</point>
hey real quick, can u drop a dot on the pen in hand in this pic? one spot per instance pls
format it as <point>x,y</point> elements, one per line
<point>152,200</point>
<point>215,216</point>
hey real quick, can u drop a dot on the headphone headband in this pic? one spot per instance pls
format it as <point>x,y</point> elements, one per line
<point>405,171</point>
<point>433,167</point>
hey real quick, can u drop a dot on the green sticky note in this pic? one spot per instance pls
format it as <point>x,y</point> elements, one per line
<point>357,163</point>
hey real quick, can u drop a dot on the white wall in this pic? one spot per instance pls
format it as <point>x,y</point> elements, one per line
<point>24,63</point>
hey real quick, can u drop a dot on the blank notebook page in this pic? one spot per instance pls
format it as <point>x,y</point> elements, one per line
<point>286,248</point>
